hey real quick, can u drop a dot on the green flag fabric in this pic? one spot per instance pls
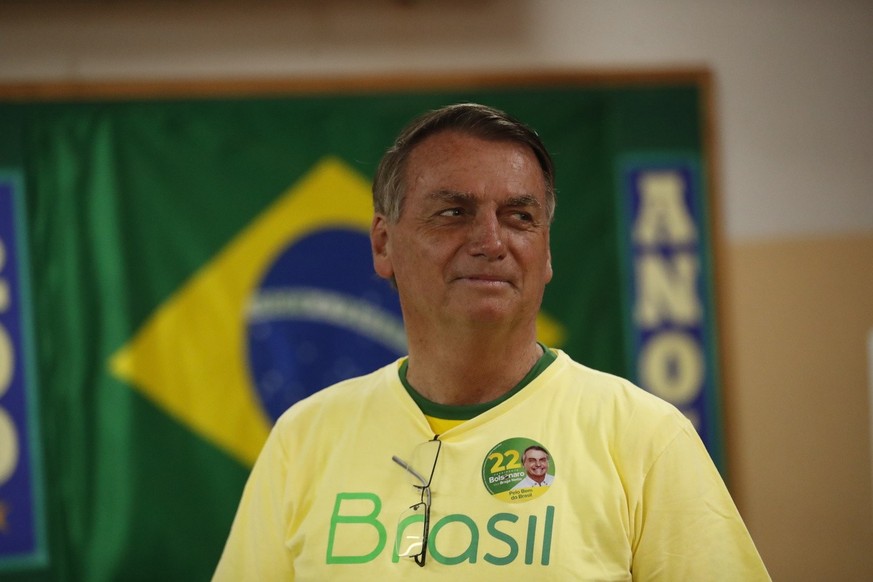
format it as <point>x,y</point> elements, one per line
<point>197,265</point>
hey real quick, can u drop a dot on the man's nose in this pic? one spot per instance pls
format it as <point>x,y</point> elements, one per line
<point>486,236</point>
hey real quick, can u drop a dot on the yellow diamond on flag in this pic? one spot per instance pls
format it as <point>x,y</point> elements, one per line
<point>549,331</point>
<point>190,356</point>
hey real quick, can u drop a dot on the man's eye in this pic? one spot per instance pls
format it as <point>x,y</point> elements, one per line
<point>524,216</point>
<point>452,212</point>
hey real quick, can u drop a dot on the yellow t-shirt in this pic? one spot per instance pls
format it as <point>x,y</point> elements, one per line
<point>633,494</point>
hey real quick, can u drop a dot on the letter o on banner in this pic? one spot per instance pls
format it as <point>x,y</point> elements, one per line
<point>8,435</point>
<point>8,447</point>
<point>672,367</point>
<point>7,361</point>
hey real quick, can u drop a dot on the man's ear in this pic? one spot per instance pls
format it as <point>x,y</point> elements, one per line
<point>381,247</point>
<point>549,266</point>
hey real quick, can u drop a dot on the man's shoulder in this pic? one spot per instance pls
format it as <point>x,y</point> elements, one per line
<point>608,391</point>
<point>636,424</point>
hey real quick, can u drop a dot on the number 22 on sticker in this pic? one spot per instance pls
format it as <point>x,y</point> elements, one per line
<point>511,455</point>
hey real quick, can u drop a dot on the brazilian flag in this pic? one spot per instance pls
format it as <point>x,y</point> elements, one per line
<point>195,266</point>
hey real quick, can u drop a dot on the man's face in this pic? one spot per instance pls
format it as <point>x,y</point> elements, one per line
<point>471,245</point>
<point>536,463</point>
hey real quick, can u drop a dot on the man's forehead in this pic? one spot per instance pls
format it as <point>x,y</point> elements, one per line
<point>448,142</point>
<point>442,158</point>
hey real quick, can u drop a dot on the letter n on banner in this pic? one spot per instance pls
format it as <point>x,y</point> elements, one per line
<point>669,312</point>
<point>22,538</point>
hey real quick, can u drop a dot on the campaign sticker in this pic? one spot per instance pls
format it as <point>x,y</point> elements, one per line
<point>518,470</point>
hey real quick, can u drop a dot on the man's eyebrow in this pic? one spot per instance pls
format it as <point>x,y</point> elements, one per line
<point>451,196</point>
<point>523,200</point>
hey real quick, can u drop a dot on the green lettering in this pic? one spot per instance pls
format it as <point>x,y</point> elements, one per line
<point>468,554</point>
<point>504,537</point>
<point>547,535</point>
<point>368,520</point>
<point>531,538</point>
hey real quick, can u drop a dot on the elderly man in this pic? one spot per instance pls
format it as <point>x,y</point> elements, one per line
<point>410,471</point>
<point>536,466</point>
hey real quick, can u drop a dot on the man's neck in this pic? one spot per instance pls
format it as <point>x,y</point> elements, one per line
<point>470,369</point>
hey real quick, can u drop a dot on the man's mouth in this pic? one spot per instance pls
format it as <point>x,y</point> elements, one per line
<point>484,278</point>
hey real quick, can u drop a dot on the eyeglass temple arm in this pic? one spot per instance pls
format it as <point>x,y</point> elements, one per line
<point>415,474</point>
<point>407,466</point>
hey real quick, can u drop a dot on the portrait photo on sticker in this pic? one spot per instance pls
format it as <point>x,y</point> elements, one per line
<point>517,470</point>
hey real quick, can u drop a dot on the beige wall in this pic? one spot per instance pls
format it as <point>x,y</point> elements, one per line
<point>798,316</point>
<point>793,96</point>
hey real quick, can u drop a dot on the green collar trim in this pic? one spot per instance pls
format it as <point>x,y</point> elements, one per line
<point>468,411</point>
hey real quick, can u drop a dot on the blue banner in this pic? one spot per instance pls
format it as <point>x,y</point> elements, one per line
<point>670,316</point>
<point>21,519</point>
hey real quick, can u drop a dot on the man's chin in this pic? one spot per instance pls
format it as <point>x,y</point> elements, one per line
<point>485,307</point>
<point>486,316</point>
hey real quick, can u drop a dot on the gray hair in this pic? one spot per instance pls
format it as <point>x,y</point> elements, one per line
<point>534,448</point>
<point>469,118</point>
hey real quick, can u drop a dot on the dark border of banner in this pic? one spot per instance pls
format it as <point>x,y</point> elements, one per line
<point>49,91</point>
<point>38,557</point>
